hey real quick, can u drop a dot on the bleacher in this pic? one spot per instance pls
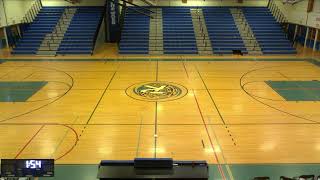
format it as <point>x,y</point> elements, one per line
<point>178,32</point>
<point>268,31</point>
<point>135,33</point>
<point>81,34</point>
<point>222,30</point>
<point>43,24</point>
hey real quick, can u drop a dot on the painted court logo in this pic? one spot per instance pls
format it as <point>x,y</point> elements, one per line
<point>156,91</point>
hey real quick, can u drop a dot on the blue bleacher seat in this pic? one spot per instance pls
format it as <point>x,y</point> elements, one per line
<point>178,31</point>
<point>268,31</point>
<point>135,33</point>
<point>179,36</point>
<point>79,38</point>
<point>222,30</point>
<point>34,34</point>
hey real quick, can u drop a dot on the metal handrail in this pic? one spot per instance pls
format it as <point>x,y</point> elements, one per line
<point>249,35</point>
<point>275,10</point>
<point>55,33</point>
<point>202,33</point>
<point>121,21</point>
<point>33,11</point>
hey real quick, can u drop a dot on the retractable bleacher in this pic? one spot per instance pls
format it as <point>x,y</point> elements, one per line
<point>268,31</point>
<point>79,38</point>
<point>222,30</point>
<point>82,31</point>
<point>178,31</point>
<point>135,33</point>
<point>34,34</point>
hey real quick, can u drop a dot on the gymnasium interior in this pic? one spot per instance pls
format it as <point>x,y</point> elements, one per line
<point>159,89</point>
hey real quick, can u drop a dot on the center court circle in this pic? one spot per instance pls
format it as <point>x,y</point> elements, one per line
<point>156,91</point>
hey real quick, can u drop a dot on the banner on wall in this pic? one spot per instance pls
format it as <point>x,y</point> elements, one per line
<point>112,18</point>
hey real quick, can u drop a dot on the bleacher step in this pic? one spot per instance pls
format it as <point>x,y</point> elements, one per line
<point>156,32</point>
<point>46,53</point>
<point>245,31</point>
<point>201,33</point>
<point>52,41</point>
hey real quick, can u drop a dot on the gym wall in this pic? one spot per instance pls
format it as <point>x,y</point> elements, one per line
<point>207,3</point>
<point>13,11</point>
<point>298,14</point>
<point>65,3</point>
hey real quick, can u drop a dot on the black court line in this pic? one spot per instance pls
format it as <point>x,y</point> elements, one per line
<point>33,72</point>
<point>185,69</point>
<point>139,138</point>
<point>212,100</point>
<point>14,69</point>
<point>216,107</point>
<point>267,105</point>
<point>100,99</point>
<point>220,169</point>
<point>45,105</point>
<point>96,106</point>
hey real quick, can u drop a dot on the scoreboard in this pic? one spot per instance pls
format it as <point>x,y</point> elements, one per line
<point>27,168</point>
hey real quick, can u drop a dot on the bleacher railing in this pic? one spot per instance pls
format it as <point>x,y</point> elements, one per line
<point>247,29</point>
<point>121,21</point>
<point>285,23</point>
<point>55,34</point>
<point>32,12</point>
<point>98,29</point>
<point>28,18</point>
<point>204,38</point>
<point>276,12</point>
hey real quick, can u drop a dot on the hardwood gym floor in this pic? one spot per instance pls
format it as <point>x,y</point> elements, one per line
<point>229,111</point>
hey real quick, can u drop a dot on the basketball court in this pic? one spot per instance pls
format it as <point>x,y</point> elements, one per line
<point>247,111</point>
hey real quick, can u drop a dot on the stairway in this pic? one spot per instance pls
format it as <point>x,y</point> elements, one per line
<point>34,34</point>
<point>201,33</point>
<point>246,33</point>
<point>156,32</point>
<point>178,31</point>
<point>51,42</point>
<point>135,33</point>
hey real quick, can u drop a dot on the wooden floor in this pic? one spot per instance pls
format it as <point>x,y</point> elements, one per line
<point>110,51</point>
<point>230,115</point>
